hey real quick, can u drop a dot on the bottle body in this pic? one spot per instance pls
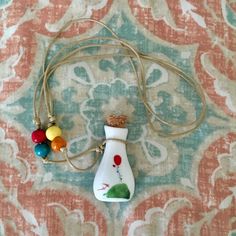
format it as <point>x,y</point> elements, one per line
<point>114,180</point>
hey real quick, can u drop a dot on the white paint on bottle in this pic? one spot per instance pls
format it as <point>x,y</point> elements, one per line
<point>114,180</point>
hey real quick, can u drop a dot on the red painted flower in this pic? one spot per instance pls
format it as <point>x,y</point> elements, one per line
<point>117,160</point>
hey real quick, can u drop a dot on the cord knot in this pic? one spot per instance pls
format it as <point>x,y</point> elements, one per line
<point>100,148</point>
<point>51,120</point>
<point>37,122</point>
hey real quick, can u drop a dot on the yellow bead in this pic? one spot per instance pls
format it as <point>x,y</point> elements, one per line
<point>52,132</point>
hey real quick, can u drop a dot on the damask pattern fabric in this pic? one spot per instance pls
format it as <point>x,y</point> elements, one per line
<point>184,186</point>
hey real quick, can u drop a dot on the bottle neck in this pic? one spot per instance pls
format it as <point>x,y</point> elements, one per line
<point>116,133</point>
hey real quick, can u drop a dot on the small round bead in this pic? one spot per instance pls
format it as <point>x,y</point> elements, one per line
<point>38,136</point>
<point>58,143</point>
<point>52,132</point>
<point>41,150</point>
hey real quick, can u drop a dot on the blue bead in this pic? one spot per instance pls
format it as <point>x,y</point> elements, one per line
<point>41,150</point>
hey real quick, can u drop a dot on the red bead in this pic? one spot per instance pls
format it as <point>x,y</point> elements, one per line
<point>58,143</point>
<point>38,136</point>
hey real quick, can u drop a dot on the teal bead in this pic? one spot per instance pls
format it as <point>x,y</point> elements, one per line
<point>41,150</point>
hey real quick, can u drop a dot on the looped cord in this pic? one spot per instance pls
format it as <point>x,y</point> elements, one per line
<point>98,151</point>
<point>63,57</point>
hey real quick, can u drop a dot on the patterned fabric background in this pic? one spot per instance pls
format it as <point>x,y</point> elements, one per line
<point>184,186</point>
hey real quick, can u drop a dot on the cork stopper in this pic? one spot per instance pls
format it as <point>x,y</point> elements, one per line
<point>118,121</point>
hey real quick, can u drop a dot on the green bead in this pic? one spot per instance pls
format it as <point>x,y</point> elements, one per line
<point>41,149</point>
<point>53,132</point>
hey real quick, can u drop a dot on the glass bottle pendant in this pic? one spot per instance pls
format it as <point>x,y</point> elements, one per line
<point>114,180</point>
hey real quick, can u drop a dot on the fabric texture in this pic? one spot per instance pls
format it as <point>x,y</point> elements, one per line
<point>184,186</point>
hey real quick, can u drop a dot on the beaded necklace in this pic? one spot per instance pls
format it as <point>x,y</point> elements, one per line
<point>71,53</point>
